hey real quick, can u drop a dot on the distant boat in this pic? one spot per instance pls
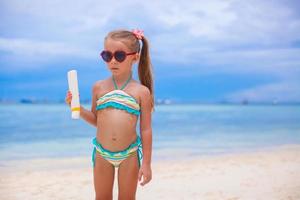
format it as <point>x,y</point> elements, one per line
<point>163,101</point>
<point>167,101</point>
<point>159,101</point>
<point>275,102</point>
<point>245,102</point>
<point>27,101</point>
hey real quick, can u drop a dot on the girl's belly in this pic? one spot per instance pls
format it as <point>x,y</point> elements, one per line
<point>116,129</point>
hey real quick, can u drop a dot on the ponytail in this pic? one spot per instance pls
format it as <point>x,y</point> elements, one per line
<point>145,70</point>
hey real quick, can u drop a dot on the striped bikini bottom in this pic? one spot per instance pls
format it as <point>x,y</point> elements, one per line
<point>115,158</point>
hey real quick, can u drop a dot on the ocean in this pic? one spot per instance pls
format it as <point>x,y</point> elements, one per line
<point>179,131</point>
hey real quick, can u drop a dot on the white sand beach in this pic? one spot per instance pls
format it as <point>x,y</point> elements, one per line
<point>266,175</point>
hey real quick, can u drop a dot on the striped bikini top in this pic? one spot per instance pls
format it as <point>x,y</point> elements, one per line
<point>119,99</point>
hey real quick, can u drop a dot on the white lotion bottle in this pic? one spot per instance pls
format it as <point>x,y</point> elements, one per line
<point>73,88</point>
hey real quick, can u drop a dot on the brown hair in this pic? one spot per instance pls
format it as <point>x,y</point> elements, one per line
<point>145,66</point>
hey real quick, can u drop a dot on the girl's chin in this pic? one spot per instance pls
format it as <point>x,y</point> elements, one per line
<point>114,70</point>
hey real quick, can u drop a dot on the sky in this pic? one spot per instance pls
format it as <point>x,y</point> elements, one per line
<point>201,51</point>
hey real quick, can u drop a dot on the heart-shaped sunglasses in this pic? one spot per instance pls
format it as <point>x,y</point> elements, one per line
<point>119,55</point>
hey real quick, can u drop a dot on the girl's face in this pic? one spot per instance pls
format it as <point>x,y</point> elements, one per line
<point>119,67</point>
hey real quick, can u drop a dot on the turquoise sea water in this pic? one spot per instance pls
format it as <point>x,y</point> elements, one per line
<point>36,130</point>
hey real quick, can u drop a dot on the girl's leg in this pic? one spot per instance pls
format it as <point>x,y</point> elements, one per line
<point>104,173</point>
<point>128,177</point>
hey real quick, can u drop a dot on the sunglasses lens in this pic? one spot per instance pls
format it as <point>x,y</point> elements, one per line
<point>120,56</point>
<point>106,56</point>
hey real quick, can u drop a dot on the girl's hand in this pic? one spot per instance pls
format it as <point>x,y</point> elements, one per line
<point>146,173</point>
<point>68,98</point>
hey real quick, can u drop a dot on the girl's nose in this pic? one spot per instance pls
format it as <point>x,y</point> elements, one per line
<point>113,60</point>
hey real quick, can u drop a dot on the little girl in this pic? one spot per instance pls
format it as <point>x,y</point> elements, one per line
<point>117,102</point>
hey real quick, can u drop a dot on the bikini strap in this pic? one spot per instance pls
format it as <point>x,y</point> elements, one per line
<point>116,86</point>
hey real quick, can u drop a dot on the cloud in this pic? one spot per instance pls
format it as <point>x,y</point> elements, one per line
<point>34,48</point>
<point>234,37</point>
<point>287,91</point>
<point>20,55</point>
<point>71,16</point>
<point>229,22</point>
<point>201,27</point>
<point>253,37</point>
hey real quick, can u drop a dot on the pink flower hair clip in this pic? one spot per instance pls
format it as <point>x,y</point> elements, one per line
<point>139,34</point>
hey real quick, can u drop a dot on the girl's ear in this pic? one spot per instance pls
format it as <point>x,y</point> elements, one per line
<point>136,58</point>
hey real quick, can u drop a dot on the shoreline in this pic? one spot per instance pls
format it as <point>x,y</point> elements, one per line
<point>272,173</point>
<point>158,156</point>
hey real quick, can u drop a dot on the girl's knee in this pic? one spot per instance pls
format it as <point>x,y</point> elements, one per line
<point>104,196</point>
<point>126,197</point>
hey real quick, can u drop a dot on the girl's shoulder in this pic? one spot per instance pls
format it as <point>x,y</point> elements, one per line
<point>99,86</point>
<point>140,91</point>
<point>137,85</point>
<point>100,83</point>
<point>140,87</point>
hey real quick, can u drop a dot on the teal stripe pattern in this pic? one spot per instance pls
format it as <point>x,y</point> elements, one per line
<point>129,98</point>
<point>118,106</point>
<point>115,158</point>
<point>119,99</point>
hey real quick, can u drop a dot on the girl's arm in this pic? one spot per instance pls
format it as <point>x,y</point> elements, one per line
<point>146,135</point>
<point>145,125</point>
<point>90,116</point>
